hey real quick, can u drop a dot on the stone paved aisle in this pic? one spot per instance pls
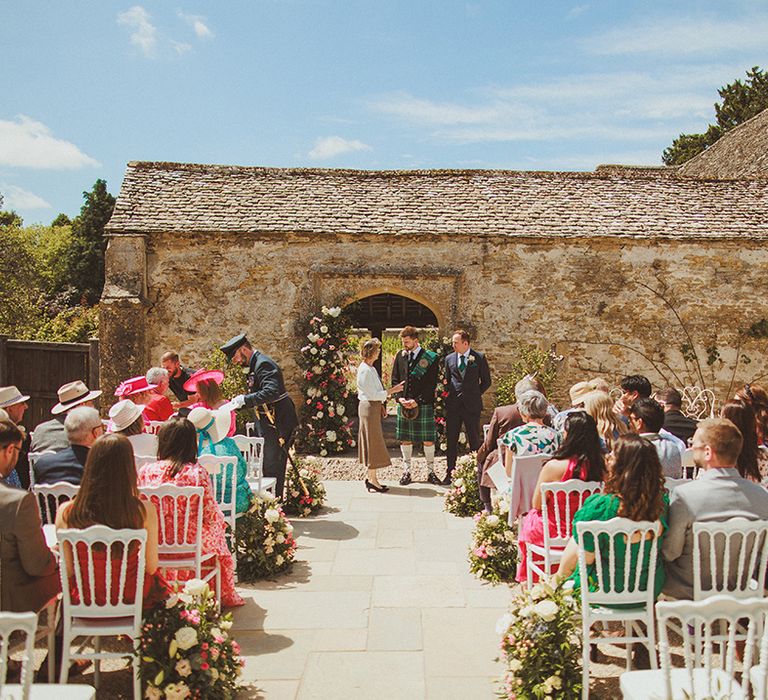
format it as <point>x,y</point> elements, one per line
<point>380,605</point>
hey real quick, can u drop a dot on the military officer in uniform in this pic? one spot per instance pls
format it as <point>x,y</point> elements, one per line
<point>418,368</point>
<point>276,419</point>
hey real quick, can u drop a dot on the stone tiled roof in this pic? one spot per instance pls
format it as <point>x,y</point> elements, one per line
<point>741,152</point>
<point>172,197</point>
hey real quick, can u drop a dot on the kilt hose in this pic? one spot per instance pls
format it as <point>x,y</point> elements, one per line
<point>420,429</point>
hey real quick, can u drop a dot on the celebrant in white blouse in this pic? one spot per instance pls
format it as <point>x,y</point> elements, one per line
<point>371,448</point>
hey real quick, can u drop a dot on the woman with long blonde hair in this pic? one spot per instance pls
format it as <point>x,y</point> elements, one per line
<point>610,427</point>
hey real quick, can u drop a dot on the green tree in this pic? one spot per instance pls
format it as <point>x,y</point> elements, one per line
<point>740,101</point>
<point>9,219</point>
<point>61,220</point>
<point>86,256</point>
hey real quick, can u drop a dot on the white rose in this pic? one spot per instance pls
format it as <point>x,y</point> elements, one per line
<point>503,623</point>
<point>526,611</point>
<point>492,520</point>
<point>323,329</point>
<point>271,515</point>
<point>330,435</point>
<point>177,691</point>
<point>226,624</point>
<point>334,311</point>
<point>325,310</point>
<point>313,351</point>
<point>354,443</point>
<point>183,668</point>
<point>316,369</point>
<point>279,560</point>
<point>515,665</point>
<point>319,414</point>
<point>280,538</point>
<point>340,409</point>
<point>555,682</point>
<point>195,586</point>
<point>323,453</point>
<point>443,446</point>
<point>313,337</point>
<point>186,637</point>
<point>303,473</point>
<point>323,363</point>
<point>546,610</point>
<point>459,482</point>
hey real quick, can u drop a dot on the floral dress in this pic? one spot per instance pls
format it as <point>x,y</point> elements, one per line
<point>214,539</point>
<point>532,439</point>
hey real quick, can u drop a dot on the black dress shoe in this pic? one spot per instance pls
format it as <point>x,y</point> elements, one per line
<point>372,488</point>
<point>434,479</point>
<point>448,479</point>
<point>405,479</point>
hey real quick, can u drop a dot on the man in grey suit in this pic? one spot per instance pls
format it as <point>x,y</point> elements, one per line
<point>29,571</point>
<point>719,494</point>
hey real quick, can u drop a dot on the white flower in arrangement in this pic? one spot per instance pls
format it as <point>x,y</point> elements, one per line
<point>214,674</point>
<point>463,489</point>
<point>330,436</point>
<point>323,453</point>
<point>313,351</point>
<point>306,511</point>
<point>325,310</point>
<point>271,515</point>
<point>354,443</point>
<point>323,329</point>
<point>280,538</point>
<point>323,363</point>
<point>313,337</point>
<point>183,668</point>
<point>515,665</point>
<point>295,494</point>
<point>443,446</point>
<point>153,693</point>
<point>509,536</point>
<point>170,602</point>
<point>226,624</point>
<point>304,473</point>
<point>316,369</point>
<point>177,691</point>
<point>195,586</point>
<point>462,438</point>
<point>546,610</point>
<point>268,549</point>
<point>503,623</point>
<point>279,560</point>
<point>459,482</point>
<point>526,611</point>
<point>554,682</point>
<point>268,542</point>
<point>492,520</point>
<point>340,409</point>
<point>288,528</point>
<point>264,496</point>
<point>186,637</point>
<point>334,311</point>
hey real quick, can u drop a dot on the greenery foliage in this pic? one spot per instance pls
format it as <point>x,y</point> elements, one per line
<point>493,553</point>
<point>739,101</point>
<point>264,542</point>
<point>463,498</point>
<point>186,650</point>
<point>530,360</point>
<point>304,494</point>
<point>541,644</point>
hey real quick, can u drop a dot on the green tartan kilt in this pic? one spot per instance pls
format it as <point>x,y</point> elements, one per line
<point>421,429</point>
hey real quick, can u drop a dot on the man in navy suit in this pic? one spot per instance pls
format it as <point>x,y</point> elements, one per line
<point>468,377</point>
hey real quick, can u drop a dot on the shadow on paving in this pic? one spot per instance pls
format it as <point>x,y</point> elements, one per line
<point>324,529</point>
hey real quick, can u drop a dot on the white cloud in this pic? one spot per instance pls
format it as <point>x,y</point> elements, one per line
<point>332,146</point>
<point>16,198</point>
<point>27,143</point>
<point>681,36</point>
<point>181,47</point>
<point>143,32</point>
<point>577,11</point>
<point>197,22</point>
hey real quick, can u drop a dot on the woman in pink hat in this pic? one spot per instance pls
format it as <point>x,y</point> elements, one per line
<point>206,383</point>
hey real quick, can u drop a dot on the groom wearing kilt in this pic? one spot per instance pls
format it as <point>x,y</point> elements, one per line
<point>418,368</point>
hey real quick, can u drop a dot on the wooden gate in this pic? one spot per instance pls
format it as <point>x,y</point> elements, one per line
<point>39,369</point>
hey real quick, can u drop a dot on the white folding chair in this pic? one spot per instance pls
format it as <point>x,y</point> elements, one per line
<point>250,428</point>
<point>523,476</point>
<point>570,495</point>
<point>33,457</point>
<point>714,623</point>
<point>689,468</point>
<point>223,474</point>
<point>107,598</point>
<point>486,428</point>
<point>730,557</point>
<point>252,449</point>
<point>153,426</point>
<point>51,496</point>
<point>618,587</point>
<point>180,531</point>
<point>26,623</point>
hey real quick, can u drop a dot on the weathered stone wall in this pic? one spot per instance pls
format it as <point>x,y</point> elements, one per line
<point>594,298</point>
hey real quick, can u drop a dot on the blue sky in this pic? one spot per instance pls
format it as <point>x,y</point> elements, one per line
<point>373,84</point>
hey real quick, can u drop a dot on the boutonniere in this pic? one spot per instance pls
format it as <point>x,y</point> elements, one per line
<point>471,359</point>
<point>404,353</point>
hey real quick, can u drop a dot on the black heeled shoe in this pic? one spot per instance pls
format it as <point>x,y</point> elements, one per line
<point>372,488</point>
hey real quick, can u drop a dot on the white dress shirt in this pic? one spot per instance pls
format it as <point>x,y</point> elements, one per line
<point>369,386</point>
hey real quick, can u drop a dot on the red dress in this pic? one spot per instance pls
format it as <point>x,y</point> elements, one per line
<point>213,538</point>
<point>532,526</point>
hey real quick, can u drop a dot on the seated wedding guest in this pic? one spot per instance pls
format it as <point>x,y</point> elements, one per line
<point>633,387</point>
<point>610,427</point>
<point>719,494</point>
<point>109,496</point>
<point>743,417</point>
<point>50,435</point>
<point>756,396</point>
<point>138,389</point>
<point>14,404</point>
<point>206,383</point>
<point>675,421</point>
<point>30,575</point>
<point>83,426</point>
<point>504,418</point>
<point>579,457</point>
<point>177,376</point>
<point>634,489</point>
<point>177,464</point>
<point>646,417</point>
<point>126,419</point>
<point>212,429</point>
<point>157,406</point>
<point>533,437</point>
<point>577,393</point>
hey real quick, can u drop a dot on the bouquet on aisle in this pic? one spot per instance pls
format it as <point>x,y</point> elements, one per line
<point>264,543</point>
<point>185,647</point>
<point>463,498</point>
<point>493,552</point>
<point>541,644</point>
<point>304,493</point>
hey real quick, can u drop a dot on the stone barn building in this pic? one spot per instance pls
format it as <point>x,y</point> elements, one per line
<point>622,270</point>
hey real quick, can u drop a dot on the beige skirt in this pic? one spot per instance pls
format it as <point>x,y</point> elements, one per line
<point>371,448</point>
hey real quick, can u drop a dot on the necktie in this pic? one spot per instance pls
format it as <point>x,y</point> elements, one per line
<point>462,364</point>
